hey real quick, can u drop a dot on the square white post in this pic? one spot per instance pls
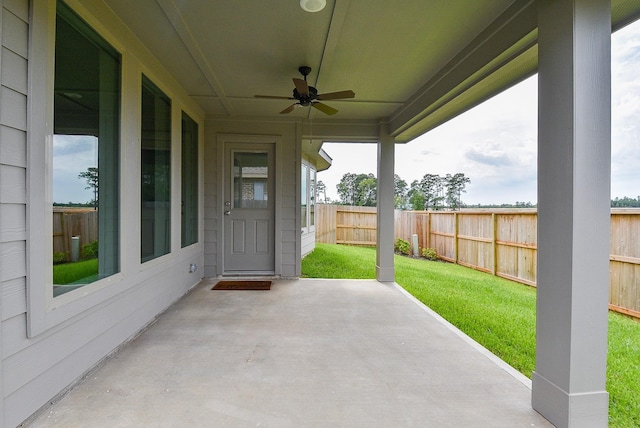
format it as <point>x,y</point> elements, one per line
<point>574,174</point>
<point>385,271</point>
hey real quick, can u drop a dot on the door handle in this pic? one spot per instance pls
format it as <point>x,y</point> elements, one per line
<point>227,212</point>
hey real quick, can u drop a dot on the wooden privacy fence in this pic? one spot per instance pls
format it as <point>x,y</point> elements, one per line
<point>341,224</point>
<point>68,222</point>
<point>500,242</point>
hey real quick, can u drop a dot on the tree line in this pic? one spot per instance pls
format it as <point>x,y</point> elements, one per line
<point>431,192</point>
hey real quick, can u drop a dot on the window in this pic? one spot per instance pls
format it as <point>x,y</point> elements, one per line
<point>189,181</point>
<point>312,198</point>
<point>155,228</point>
<point>303,198</point>
<point>86,152</point>
<point>308,198</point>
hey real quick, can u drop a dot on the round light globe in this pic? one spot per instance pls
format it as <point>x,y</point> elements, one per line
<point>313,5</point>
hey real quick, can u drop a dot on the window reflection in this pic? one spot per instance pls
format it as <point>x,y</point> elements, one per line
<point>303,188</point>
<point>155,230</point>
<point>250,176</point>
<point>86,147</point>
<point>189,181</point>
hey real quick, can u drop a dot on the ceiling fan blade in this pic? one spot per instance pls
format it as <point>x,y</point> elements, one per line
<point>301,86</point>
<point>274,97</point>
<point>324,108</point>
<point>289,109</point>
<point>336,95</point>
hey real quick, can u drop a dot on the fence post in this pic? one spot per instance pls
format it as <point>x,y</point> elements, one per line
<point>455,237</point>
<point>494,244</point>
<point>428,230</point>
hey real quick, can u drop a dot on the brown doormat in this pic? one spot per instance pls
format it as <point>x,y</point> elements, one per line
<point>242,285</point>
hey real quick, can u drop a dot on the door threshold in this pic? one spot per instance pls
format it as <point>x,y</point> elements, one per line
<point>249,275</point>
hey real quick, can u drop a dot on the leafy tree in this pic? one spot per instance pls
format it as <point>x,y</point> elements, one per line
<point>432,186</point>
<point>433,190</point>
<point>400,192</point>
<point>426,193</point>
<point>91,175</point>
<point>625,202</point>
<point>368,191</point>
<point>416,196</point>
<point>321,189</point>
<point>358,190</point>
<point>455,186</point>
<point>347,189</point>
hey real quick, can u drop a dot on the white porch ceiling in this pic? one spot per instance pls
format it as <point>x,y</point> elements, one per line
<point>411,63</point>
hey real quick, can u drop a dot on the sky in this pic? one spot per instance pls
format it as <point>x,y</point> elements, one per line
<point>72,154</point>
<point>495,144</point>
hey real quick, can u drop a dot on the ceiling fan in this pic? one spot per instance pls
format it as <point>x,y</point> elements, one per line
<point>308,95</point>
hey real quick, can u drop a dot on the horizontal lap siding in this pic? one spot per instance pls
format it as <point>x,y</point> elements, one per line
<point>13,163</point>
<point>308,243</point>
<point>210,206</point>
<point>289,207</point>
<point>34,370</point>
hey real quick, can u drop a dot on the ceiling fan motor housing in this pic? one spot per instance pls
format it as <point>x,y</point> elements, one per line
<point>305,100</point>
<point>304,70</point>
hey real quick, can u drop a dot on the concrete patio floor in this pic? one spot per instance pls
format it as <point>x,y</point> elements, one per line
<point>308,353</point>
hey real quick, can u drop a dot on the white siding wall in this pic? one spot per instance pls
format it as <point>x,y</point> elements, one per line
<point>34,370</point>
<point>288,165</point>
<point>13,154</point>
<point>308,237</point>
<point>13,157</point>
<point>308,242</point>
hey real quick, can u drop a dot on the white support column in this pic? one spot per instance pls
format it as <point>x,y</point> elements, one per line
<point>385,271</point>
<point>574,170</point>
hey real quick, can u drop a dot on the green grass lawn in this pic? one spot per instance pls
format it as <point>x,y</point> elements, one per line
<point>68,273</point>
<point>497,313</point>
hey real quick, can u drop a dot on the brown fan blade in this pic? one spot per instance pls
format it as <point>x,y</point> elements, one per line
<point>274,97</point>
<point>289,109</point>
<point>336,95</point>
<point>324,108</point>
<point>301,86</point>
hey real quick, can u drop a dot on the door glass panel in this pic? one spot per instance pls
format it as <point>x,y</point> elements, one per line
<point>250,178</point>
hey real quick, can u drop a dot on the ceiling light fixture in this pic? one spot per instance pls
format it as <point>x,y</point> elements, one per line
<point>313,5</point>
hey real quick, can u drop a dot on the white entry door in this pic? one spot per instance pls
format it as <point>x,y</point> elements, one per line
<point>249,211</point>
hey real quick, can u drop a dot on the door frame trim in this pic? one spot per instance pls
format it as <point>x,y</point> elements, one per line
<point>223,140</point>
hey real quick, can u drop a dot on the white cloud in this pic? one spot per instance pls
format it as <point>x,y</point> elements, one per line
<point>495,144</point>
<point>72,154</point>
<point>625,112</point>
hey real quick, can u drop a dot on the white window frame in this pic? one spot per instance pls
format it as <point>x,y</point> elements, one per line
<point>313,173</point>
<point>307,227</point>
<point>304,201</point>
<point>43,310</point>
